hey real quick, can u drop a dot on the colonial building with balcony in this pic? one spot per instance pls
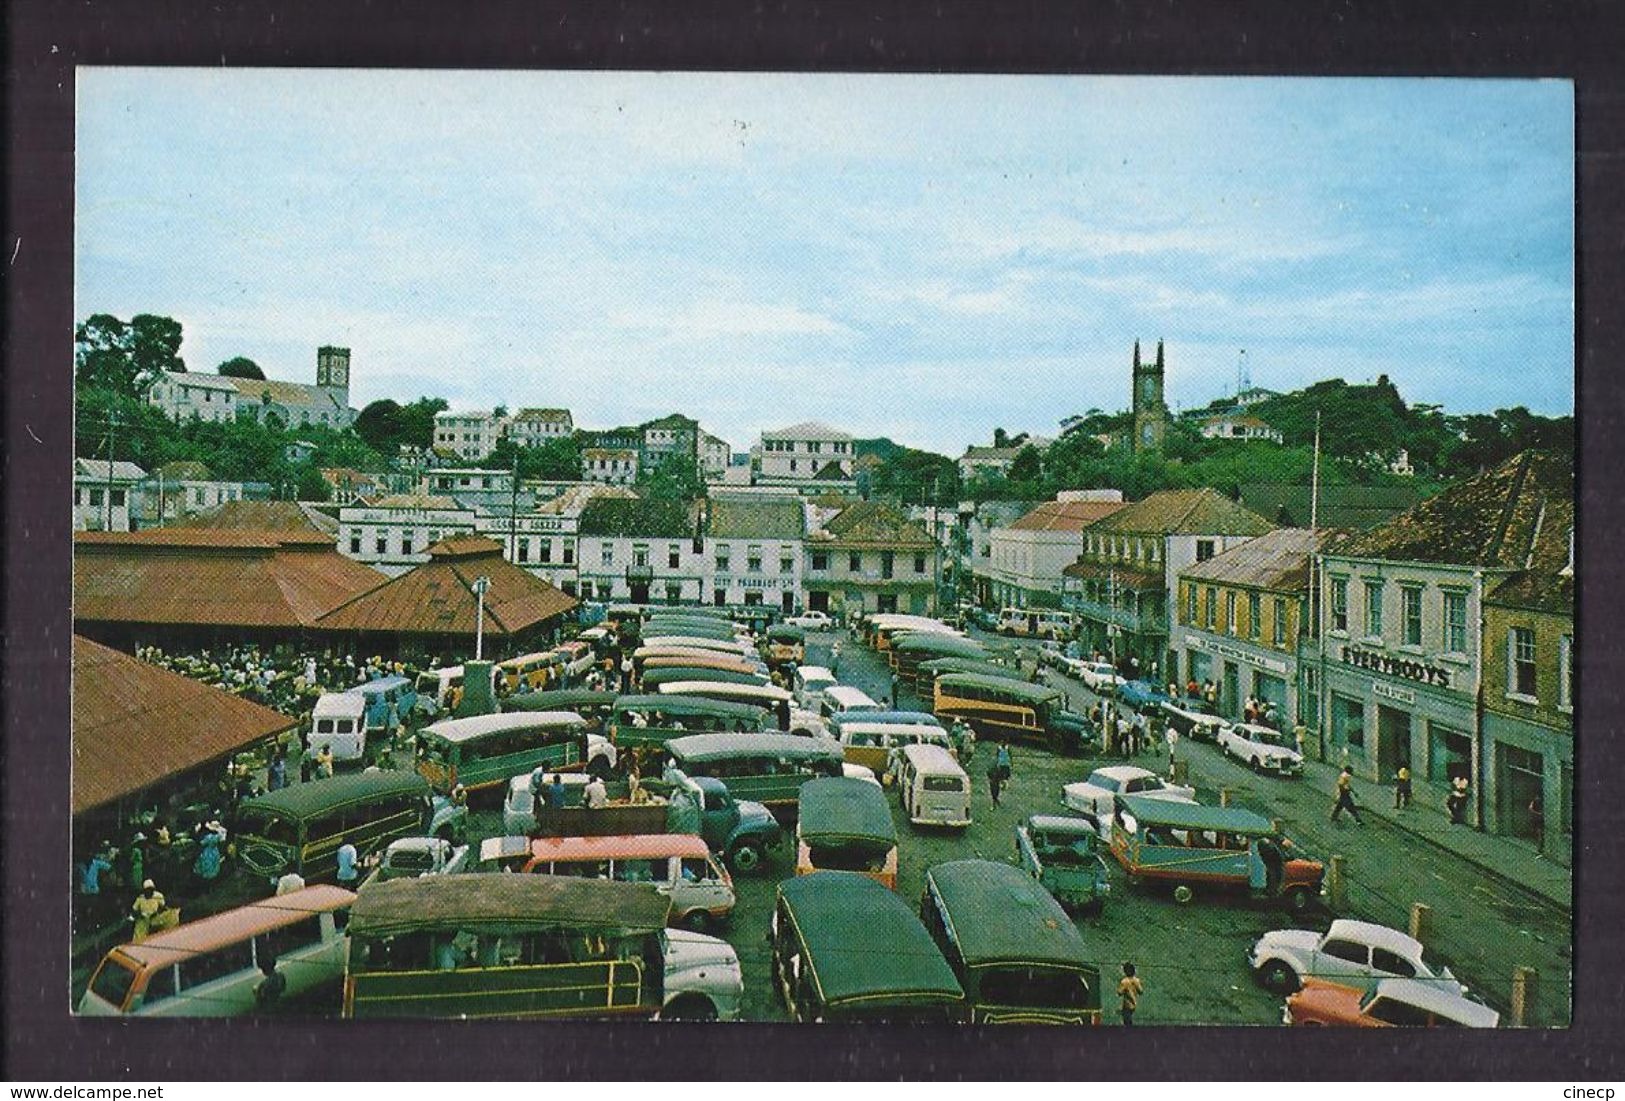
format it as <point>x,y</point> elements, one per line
<point>395,533</point>
<point>1122,584</point>
<point>1238,617</point>
<point>754,551</point>
<point>1404,652</point>
<point>641,551</point>
<point>1028,556</point>
<point>870,558</point>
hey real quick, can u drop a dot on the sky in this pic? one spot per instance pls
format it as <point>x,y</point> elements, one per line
<point>924,257</point>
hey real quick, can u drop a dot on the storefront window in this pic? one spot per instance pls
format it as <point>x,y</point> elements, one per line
<point>1348,722</point>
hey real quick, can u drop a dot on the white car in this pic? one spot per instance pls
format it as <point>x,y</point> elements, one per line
<point>811,621</point>
<point>1348,950</point>
<point>414,857</point>
<point>1099,676</point>
<point>1193,720</point>
<point>1097,796</point>
<point>1262,749</point>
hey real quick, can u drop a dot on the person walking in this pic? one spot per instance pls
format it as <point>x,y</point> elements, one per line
<point>626,673</point>
<point>1402,787</point>
<point>1300,736</point>
<point>1537,824</point>
<point>1345,797</point>
<point>835,658</point>
<point>999,771</point>
<point>276,776</point>
<point>145,909</point>
<point>894,691</point>
<point>1171,736</point>
<point>1129,989</point>
<point>349,865</point>
<point>324,763</point>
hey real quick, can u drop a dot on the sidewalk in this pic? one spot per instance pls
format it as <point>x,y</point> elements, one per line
<point>1506,858</point>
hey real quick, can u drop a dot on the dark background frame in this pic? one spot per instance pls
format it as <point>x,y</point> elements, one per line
<point>1468,38</point>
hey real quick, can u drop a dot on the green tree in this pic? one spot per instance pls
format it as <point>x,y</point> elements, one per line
<point>101,353</point>
<point>309,485</point>
<point>675,479</point>
<point>417,421</point>
<point>1027,465</point>
<point>241,367</point>
<point>382,424</point>
<point>155,346</point>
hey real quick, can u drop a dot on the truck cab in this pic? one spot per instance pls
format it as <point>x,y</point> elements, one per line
<point>744,832</point>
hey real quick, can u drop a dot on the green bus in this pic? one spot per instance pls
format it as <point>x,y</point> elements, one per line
<point>472,946</point>
<point>847,949</point>
<point>652,679</point>
<point>909,650</point>
<point>489,750</point>
<point>764,768</point>
<point>697,628</point>
<point>590,705</point>
<point>1014,950</point>
<point>300,828</point>
<point>654,719</point>
<point>999,708</point>
<point>927,672</point>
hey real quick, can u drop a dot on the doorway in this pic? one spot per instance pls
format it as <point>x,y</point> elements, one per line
<point>1519,786</point>
<point>1393,740</point>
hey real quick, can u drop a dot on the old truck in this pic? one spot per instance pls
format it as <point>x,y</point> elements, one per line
<point>741,831</point>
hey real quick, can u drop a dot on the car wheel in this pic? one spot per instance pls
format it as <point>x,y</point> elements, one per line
<point>1278,977</point>
<point>1182,893</point>
<point>689,1008</point>
<point>745,857</point>
<point>1298,900</point>
<point>695,921</point>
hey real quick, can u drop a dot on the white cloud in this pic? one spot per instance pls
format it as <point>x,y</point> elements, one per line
<point>714,319</point>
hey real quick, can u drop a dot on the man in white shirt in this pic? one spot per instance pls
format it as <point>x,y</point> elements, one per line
<point>595,795</point>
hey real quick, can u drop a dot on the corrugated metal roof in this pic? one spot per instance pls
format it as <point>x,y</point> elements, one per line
<point>633,518</point>
<point>437,597</point>
<point>135,725</point>
<point>1278,560</point>
<point>97,468</point>
<point>1350,508</point>
<point>806,430</point>
<point>1066,515</point>
<point>878,524</point>
<point>1184,512</point>
<point>280,517</point>
<point>1489,521</point>
<point>737,518</point>
<point>212,578</point>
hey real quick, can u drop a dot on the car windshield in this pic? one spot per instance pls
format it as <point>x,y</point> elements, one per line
<point>1265,736</point>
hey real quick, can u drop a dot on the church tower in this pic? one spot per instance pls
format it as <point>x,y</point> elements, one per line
<point>1150,413</point>
<point>333,372</point>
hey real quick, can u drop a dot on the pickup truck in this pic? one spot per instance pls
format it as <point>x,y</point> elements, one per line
<point>743,832</point>
<point>412,857</point>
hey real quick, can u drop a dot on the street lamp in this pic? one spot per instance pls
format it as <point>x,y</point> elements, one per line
<point>481,585</point>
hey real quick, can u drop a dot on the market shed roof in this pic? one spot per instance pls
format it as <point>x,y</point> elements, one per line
<point>437,597</point>
<point>281,517</point>
<point>212,577</point>
<point>135,725</point>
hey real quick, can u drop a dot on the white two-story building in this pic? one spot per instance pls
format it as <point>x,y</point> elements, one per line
<point>754,551</point>
<point>804,453</point>
<point>640,551</point>
<point>395,533</point>
<point>103,494</point>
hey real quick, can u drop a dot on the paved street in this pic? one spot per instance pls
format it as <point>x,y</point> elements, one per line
<point>1192,956</point>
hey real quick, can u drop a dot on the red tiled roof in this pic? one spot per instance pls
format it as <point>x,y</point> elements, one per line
<point>1066,515</point>
<point>135,725</point>
<point>215,578</point>
<point>437,598</point>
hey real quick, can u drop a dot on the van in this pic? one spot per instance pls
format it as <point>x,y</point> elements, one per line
<point>871,743</point>
<point>339,725</point>
<point>1035,623</point>
<point>386,696</point>
<point>809,684</point>
<point>214,967</point>
<point>842,698</point>
<point>300,828</point>
<point>530,672</point>
<point>680,866</point>
<point>934,790</point>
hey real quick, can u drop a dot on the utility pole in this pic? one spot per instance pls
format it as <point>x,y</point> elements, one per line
<point>513,511</point>
<point>1317,607</point>
<point>481,586</point>
<point>112,423</point>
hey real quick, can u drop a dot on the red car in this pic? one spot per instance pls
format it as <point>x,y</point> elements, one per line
<point>1388,1003</point>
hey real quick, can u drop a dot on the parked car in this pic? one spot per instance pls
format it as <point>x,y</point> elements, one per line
<point>1262,749</point>
<point>1063,854</point>
<point>1386,1004</point>
<point>1097,796</point>
<point>811,621</point>
<point>1349,950</point>
<point>1193,719</point>
<point>1142,695</point>
<point>410,857</point>
<point>1099,676</point>
<point>1052,655</point>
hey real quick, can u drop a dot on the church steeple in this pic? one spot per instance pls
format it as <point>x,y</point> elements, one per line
<point>1159,357</point>
<point>1150,412</point>
<point>1136,355</point>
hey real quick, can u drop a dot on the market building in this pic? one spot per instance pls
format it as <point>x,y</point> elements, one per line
<point>1122,585</point>
<point>1403,647</point>
<point>104,493</point>
<point>754,551</point>
<point>187,589</point>
<point>432,610</point>
<point>869,557</point>
<point>1238,618</point>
